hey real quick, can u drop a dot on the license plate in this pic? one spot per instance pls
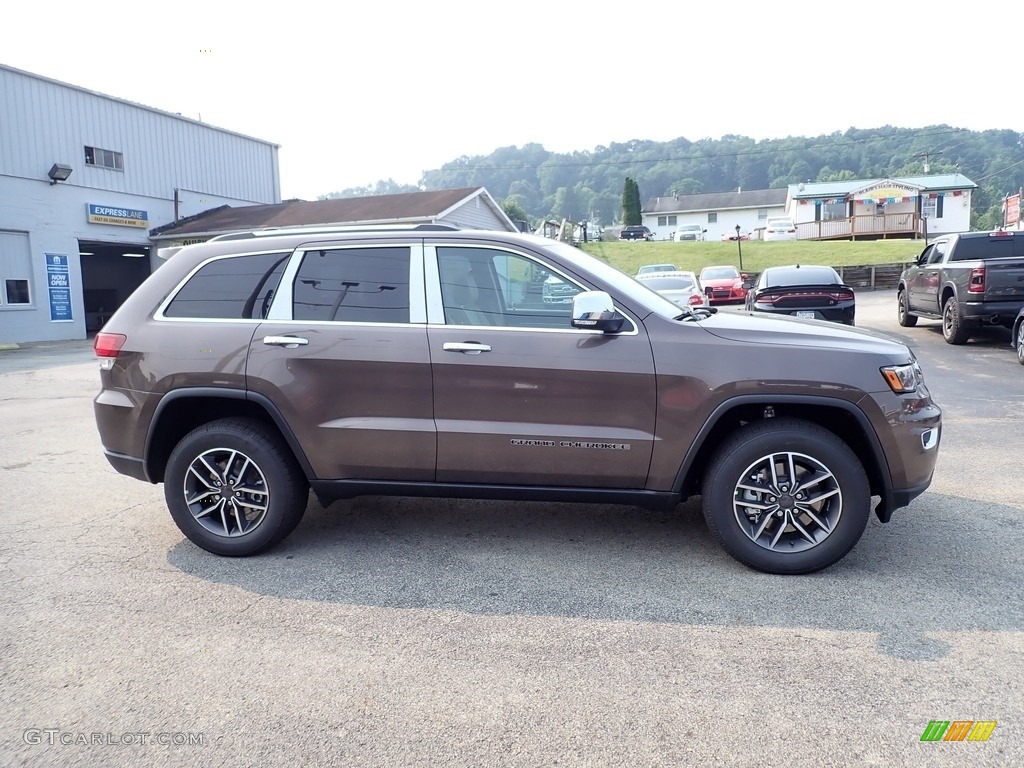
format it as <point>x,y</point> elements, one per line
<point>809,315</point>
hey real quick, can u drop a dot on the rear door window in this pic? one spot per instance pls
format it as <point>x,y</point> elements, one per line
<point>356,285</point>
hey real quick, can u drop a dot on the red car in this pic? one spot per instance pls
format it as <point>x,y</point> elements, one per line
<point>723,284</point>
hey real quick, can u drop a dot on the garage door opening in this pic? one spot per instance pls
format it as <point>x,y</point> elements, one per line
<point>110,272</point>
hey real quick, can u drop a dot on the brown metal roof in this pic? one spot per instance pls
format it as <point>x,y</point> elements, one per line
<point>411,207</point>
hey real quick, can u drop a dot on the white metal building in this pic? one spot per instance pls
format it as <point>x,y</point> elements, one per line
<point>84,177</point>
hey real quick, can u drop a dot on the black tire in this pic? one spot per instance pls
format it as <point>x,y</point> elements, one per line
<point>746,519</point>
<point>1019,344</point>
<point>246,494</point>
<point>954,329</point>
<point>903,316</point>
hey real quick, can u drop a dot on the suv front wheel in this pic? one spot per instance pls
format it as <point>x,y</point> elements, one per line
<point>233,488</point>
<point>786,496</point>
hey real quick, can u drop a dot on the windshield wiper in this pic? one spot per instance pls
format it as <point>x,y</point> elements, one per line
<point>696,313</point>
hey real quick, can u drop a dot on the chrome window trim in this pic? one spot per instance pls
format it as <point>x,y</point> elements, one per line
<point>281,308</point>
<point>159,314</point>
<point>435,302</point>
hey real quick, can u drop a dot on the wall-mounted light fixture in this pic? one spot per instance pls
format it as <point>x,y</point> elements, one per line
<point>59,172</point>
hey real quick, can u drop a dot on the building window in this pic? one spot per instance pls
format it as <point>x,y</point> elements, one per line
<point>834,211</point>
<point>762,214</point>
<point>662,221</point>
<point>16,291</point>
<point>713,217</point>
<point>671,221</point>
<point>930,207</point>
<point>104,158</point>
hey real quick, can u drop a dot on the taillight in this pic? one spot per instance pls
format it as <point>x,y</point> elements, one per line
<point>842,295</point>
<point>696,298</point>
<point>108,344</point>
<point>977,284</point>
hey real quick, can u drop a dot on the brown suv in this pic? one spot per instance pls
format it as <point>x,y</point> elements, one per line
<point>426,361</point>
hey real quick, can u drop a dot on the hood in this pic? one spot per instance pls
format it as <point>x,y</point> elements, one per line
<point>759,328</point>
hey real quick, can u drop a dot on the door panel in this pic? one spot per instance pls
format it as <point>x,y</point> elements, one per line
<point>520,397</point>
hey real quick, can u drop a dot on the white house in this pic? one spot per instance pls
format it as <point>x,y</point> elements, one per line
<point>914,206</point>
<point>718,212</point>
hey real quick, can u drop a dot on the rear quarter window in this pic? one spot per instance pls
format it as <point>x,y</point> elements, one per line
<point>235,288</point>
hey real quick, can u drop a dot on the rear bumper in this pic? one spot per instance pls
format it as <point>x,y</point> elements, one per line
<point>127,465</point>
<point>1001,312</point>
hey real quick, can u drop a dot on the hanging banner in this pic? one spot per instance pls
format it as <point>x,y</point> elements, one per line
<point>58,283</point>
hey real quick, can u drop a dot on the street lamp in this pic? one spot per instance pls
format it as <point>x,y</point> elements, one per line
<point>739,246</point>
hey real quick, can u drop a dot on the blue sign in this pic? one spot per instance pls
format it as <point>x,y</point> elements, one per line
<point>58,282</point>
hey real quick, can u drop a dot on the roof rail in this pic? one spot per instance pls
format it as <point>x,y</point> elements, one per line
<point>339,229</point>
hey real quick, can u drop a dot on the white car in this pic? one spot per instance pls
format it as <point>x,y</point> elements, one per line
<point>780,229</point>
<point>680,287</point>
<point>648,269</point>
<point>689,233</point>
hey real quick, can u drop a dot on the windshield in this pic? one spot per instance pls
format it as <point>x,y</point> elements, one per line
<point>719,273</point>
<point>781,224</point>
<point>690,228</point>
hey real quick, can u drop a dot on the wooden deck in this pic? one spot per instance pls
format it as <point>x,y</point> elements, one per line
<point>881,227</point>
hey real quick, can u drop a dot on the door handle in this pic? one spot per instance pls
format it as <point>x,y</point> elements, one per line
<point>466,347</point>
<point>288,342</point>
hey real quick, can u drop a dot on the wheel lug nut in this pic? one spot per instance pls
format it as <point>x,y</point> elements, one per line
<point>771,499</point>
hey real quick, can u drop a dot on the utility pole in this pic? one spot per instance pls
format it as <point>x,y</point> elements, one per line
<point>926,155</point>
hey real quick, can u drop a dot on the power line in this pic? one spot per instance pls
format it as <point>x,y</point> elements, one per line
<point>716,156</point>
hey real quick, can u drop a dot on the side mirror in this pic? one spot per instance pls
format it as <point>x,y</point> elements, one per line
<point>594,311</point>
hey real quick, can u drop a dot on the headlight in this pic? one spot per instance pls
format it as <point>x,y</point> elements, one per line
<point>903,378</point>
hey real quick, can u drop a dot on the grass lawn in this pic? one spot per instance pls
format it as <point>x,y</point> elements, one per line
<point>630,255</point>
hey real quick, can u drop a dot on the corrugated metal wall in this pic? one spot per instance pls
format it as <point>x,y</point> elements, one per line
<point>43,122</point>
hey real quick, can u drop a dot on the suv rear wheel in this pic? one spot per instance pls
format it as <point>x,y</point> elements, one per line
<point>233,488</point>
<point>954,329</point>
<point>786,496</point>
<point>903,316</point>
<point>1020,342</point>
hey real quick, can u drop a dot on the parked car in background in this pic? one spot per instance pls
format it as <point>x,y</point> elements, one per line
<point>743,235</point>
<point>967,280</point>
<point>636,232</point>
<point>1018,336</point>
<point>680,287</point>
<point>723,285</point>
<point>647,269</point>
<point>779,229</point>
<point>803,290</point>
<point>689,233</point>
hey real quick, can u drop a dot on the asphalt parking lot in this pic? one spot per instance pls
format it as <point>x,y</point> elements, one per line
<point>413,632</point>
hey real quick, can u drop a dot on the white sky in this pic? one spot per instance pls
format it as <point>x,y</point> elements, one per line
<point>355,92</point>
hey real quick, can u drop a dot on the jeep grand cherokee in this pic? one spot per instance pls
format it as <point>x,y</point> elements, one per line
<point>426,361</point>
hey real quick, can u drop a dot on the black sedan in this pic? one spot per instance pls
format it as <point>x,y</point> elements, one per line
<point>812,292</point>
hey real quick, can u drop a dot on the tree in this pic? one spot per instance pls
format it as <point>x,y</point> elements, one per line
<point>631,203</point>
<point>515,211</point>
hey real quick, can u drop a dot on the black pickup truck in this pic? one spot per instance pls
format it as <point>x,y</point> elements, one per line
<point>966,280</point>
